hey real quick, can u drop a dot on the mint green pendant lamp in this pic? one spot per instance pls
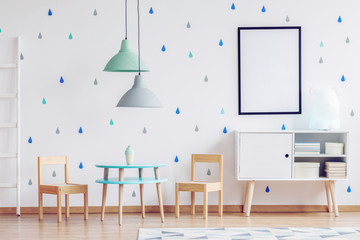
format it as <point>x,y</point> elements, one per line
<point>125,60</point>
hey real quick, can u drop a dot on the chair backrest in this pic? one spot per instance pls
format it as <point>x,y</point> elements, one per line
<point>207,158</point>
<point>56,160</point>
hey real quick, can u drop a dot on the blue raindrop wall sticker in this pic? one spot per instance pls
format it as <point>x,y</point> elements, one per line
<point>339,19</point>
<point>70,36</point>
<point>190,55</point>
<point>21,56</point>
<point>151,11</point>
<point>352,113</point>
<point>208,172</point>
<point>30,182</point>
<point>287,19</point>
<point>233,6</point>
<point>263,9</point>
<point>43,101</point>
<point>321,60</point>
<point>54,174</point>
<point>163,48</point>
<point>348,189</point>
<point>221,42</point>
<point>267,189</point>
<point>57,131</point>
<point>61,80</point>
<point>343,78</point>
<point>30,140</point>
<point>80,130</point>
<point>222,111</point>
<point>176,159</point>
<point>95,82</point>
<point>144,130</point>
<point>40,35</point>
<point>225,130</point>
<point>196,128</point>
<point>188,25</point>
<point>50,12</point>
<point>347,40</point>
<point>95,12</point>
<point>283,127</point>
<point>206,79</point>
<point>111,122</point>
<point>321,44</point>
<point>177,111</point>
<point>133,194</point>
<point>81,165</point>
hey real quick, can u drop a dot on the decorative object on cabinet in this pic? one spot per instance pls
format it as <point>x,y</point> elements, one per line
<point>60,189</point>
<point>201,186</point>
<point>129,155</point>
<point>269,65</point>
<point>278,159</point>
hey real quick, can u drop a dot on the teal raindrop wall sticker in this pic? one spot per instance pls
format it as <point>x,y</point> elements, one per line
<point>347,40</point>
<point>206,79</point>
<point>339,19</point>
<point>70,36</point>
<point>233,6</point>
<point>188,25</point>
<point>144,130</point>
<point>263,9</point>
<point>163,48</point>
<point>44,101</point>
<point>221,43</point>
<point>348,189</point>
<point>133,194</point>
<point>30,140</point>
<point>30,182</point>
<point>50,12</point>
<point>54,174</point>
<point>111,122</point>
<point>283,127</point>
<point>176,159</point>
<point>40,35</point>
<point>81,165</point>
<point>80,130</point>
<point>287,19</point>
<point>0,30</point>
<point>177,111</point>
<point>267,189</point>
<point>321,44</point>
<point>95,82</point>
<point>95,12</point>
<point>321,60</point>
<point>196,128</point>
<point>61,80</point>
<point>222,111</point>
<point>352,113</point>
<point>57,131</point>
<point>208,172</point>
<point>225,130</point>
<point>190,54</point>
<point>343,78</point>
<point>21,56</point>
<point>151,11</point>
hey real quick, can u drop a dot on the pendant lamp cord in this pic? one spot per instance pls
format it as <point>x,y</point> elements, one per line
<point>138,13</point>
<point>125,19</point>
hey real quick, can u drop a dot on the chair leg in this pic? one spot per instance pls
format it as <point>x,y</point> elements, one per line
<point>177,206</point>
<point>205,210</point>
<point>59,206</point>
<point>67,206</point>
<point>86,206</point>
<point>40,206</point>
<point>220,203</point>
<point>192,203</point>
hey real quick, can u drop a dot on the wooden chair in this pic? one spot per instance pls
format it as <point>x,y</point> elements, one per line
<point>198,186</point>
<point>59,189</point>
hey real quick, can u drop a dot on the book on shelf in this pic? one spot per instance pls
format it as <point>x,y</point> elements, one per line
<point>306,144</point>
<point>335,164</point>
<point>307,153</point>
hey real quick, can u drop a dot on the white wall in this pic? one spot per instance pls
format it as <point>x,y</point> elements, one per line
<point>176,79</point>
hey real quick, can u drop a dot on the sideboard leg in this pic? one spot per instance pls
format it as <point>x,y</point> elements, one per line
<point>333,196</point>
<point>246,197</point>
<point>328,196</point>
<point>250,193</point>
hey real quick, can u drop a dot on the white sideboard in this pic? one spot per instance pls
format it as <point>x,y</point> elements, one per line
<point>270,156</point>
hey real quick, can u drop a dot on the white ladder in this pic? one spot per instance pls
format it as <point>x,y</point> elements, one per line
<point>16,96</point>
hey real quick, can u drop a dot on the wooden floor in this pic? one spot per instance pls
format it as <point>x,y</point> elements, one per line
<point>28,226</point>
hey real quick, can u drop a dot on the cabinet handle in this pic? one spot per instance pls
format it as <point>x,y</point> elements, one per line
<point>286,155</point>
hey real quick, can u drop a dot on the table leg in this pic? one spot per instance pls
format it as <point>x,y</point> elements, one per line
<point>328,196</point>
<point>106,176</point>
<point>121,188</point>
<point>333,196</point>
<point>142,194</point>
<point>158,187</point>
<point>249,193</point>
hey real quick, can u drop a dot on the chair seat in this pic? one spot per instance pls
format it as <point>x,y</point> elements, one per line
<point>64,188</point>
<point>199,186</point>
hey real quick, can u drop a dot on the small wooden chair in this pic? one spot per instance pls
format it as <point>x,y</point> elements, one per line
<point>199,186</point>
<point>59,189</point>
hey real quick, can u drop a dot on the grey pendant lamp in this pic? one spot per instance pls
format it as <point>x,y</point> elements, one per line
<point>139,95</point>
<point>125,60</point>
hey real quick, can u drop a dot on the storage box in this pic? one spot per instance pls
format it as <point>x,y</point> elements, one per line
<point>306,169</point>
<point>334,148</point>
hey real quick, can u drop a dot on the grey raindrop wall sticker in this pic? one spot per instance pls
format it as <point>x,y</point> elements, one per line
<point>133,194</point>
<point>40,35</point>
<point>206,78</point>
<point>57,131</point>
<point>287,19</point>
<point>30,182</point>
<point>196,128</point>
<point>21,56</point>
<point>54,174</point>
<point>347,40</point>
<point>352,113</point>
<point>188,25</point>
<point>208,172</point>
<point>144,131</point>
<point>321,60</point>
<point>95,82</point>
<point>95,12</point>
